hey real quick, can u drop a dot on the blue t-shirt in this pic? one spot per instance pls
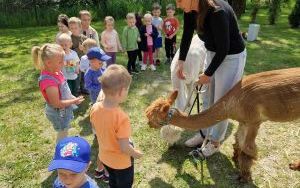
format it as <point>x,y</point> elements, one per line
<point>91,81</point>
<point>156,21</point>
<point>90,183</point>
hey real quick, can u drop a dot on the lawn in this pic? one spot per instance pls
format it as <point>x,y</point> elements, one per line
<point>27,139</point>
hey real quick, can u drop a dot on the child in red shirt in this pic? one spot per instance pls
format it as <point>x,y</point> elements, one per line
<point>170,28</point>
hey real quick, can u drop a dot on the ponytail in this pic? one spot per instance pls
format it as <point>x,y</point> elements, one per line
<point>36,56</point>
<point>47,51</point>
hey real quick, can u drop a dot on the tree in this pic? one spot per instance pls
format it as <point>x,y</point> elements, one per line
<point>239,7</point>
<point>294,17</point>
<point>256,6</point>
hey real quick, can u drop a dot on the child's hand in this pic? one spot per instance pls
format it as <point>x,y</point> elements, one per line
<point>109,47</point>
<point>80,47</point>
<point>138,154</point>
<point>79,100</point>
<point>139,39</point>
<point>146,34</point>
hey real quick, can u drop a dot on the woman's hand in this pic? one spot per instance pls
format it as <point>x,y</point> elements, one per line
<point>203,79</point>
<point>179,71</point>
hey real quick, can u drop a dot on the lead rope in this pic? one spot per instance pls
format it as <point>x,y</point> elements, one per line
<point>197,153</point>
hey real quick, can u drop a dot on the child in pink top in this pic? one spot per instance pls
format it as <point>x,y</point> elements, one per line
<point>110,40</point>
<point>59,100</point>
<point>148,34</point>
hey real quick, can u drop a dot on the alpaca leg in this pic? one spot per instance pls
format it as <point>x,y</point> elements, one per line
<point>248,152</point>
<point>295,165</point>
<point>236,145</point>
<point>245,163</point>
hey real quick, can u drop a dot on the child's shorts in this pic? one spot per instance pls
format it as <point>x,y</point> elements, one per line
<point>60,118</point>
<point>158,42</point>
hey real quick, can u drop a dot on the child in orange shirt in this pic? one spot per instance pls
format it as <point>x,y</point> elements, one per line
<point>113,129</point>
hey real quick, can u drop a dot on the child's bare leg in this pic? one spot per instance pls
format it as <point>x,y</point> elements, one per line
<point>61,134</point>
<point>157,53</point>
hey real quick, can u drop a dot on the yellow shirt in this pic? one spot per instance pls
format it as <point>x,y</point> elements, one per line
<point>110,125</point>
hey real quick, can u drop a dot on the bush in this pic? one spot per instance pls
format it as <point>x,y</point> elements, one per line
<point>294,17</point>
<point>21,13</point>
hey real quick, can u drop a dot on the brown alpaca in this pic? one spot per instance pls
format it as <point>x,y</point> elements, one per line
<point>272,95</point>
<point>295,165</point>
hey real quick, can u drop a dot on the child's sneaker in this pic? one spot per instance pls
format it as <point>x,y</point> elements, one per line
<point>105,178</point>
<point>99,173</point>
<point>157,62</point>
<point>152,67</point>
<point>210,149</point>
<point>167,61</point>
<point>143,67</point>
<point>135,71</point>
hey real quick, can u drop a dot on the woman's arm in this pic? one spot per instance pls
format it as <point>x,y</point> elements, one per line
<point>189,25</point>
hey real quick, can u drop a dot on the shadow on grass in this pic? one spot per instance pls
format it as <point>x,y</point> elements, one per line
<point>93,166</point>
<point>220,169</point>
<point>157,182</point>
<point>83,110</point>
<point>49,181</point>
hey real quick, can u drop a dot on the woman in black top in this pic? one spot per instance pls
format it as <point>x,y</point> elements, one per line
<point>217,26</point>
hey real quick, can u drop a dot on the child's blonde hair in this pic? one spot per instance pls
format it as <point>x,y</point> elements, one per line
<point>74,20</point>
<point>85,12</point>
<point>88,43</point>
<point>109,19</point>
<point>64,37</point>
<point>114,79</point>
<point>130,16</point>
<point>148,16</point>
<point>46,52</point>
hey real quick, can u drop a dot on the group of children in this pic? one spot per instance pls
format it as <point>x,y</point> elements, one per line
<point>76,63</point>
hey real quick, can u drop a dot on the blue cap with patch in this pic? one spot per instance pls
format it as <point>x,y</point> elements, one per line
<point>97,53</point>
<point>71,153</point>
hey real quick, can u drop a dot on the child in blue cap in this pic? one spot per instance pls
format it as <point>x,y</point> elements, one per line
<point>96,57</point>
<point>72,160</point>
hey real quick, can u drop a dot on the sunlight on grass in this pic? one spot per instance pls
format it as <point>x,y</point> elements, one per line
<point>27,138</point>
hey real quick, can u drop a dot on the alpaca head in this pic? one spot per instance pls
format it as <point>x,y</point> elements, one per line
<point>157,112</point>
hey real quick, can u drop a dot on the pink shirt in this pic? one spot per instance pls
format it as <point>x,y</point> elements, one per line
<point>44,84</point>
<point>111,39</point>
<point>149,38</point>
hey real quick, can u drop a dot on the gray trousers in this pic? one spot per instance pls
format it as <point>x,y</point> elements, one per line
<point>226,76</point>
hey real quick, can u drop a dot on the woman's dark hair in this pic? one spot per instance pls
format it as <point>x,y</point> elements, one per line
<point>203,8</point>
<point>62,18</point>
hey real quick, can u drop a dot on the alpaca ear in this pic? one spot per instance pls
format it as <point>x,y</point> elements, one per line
<point>173,97</point>
<point>165,108</point>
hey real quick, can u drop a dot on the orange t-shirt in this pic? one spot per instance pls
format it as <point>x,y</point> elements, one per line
<point>110,125</point>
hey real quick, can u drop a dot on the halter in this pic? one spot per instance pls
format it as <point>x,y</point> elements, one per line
<point>169,117</point>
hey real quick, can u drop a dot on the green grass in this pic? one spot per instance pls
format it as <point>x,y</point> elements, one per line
<point>27,139</point>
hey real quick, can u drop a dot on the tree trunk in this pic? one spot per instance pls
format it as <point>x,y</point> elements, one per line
<point>238,6</point>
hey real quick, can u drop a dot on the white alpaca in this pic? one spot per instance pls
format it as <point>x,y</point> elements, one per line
<point>193,65</point>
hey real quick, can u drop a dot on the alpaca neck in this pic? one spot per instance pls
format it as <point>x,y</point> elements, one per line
<point>202,120</point>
